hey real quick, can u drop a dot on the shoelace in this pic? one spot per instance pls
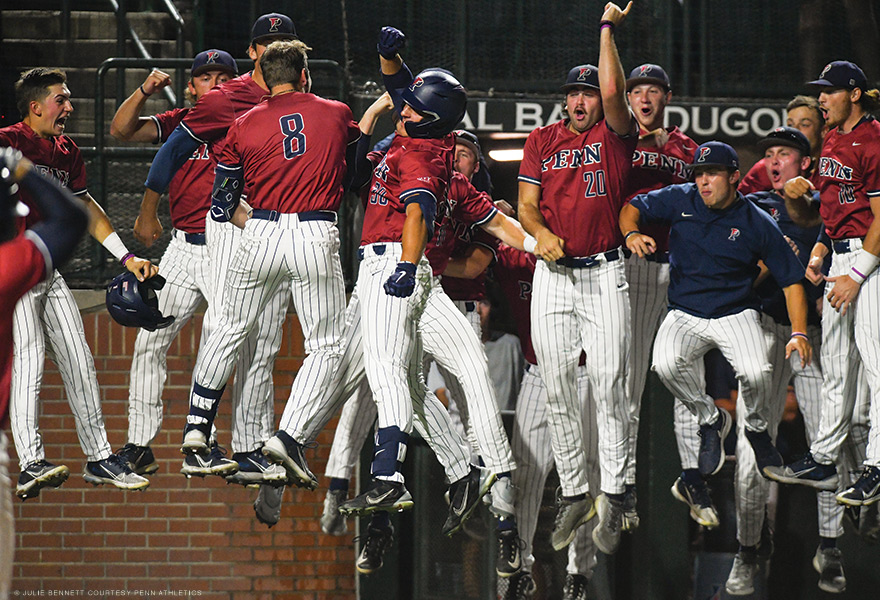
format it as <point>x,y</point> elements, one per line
<point>869,479</point>
<point>376,542</point>
<point>699,493</point>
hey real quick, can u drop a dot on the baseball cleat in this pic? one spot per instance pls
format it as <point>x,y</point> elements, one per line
<point>569,516</point>
<point>741,580</point>
<point>267,506</point>
<point>38,475</point>
<point>711,457</point>
<point>115,471</point>
<point>630,514</point>
<point>828,563</point>
<point>520,587</point>
<point>213,462</point>
<point>332,521</point>
<point>509,561</point>
<point>254,469</point>
<point>575,587</point>
<point>390,496</point>
<point>698,499</point>
<point>376,541</point>
<point>465,495</point>
<point>606,533</point>
<point>139,459</point>
<point>865,491</point>
<point>286,451</point>
<point>766,454</point>
<point>194,441</point>
<point>806,471</point>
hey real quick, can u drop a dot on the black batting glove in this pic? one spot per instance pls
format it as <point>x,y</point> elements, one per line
<point>403,281</point>
<point>391,42</point>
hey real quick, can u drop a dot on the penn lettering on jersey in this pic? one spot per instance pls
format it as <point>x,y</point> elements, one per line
<point>573,159</point>
<point>662,162</point>
<point>59,175</point>
<point>828,167</point>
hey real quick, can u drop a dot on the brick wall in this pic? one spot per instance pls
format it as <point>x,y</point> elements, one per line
<point>194,535</point>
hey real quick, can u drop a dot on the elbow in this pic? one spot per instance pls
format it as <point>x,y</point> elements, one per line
<point>118,133</point>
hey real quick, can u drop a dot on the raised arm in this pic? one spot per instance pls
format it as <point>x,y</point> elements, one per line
<point>612,82</point>
<point>128,125</point>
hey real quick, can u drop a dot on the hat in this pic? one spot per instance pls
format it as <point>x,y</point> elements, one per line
<point>465,137</point>
<point>648,73</point>
<point>841,74</point>
<point>716,154</point>
<point>214,60</point>
<point>786,136</point>
<point>587,75</point>
<point>274,24</point>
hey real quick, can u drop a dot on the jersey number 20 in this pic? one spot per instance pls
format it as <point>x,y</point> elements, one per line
<point>294,138</point>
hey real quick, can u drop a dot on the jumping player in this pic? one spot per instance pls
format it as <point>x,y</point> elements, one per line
<point>49,310</point>
<point>848,181</point>
<point>571,188</point>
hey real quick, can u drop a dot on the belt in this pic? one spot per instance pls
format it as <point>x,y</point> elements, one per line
<point>843,246</point>
<point>378,250</point>
<point>657,257</point>
<point>470,306</point>
<point>196,239</point>
<point>310,215</point>
<point>586,262</point>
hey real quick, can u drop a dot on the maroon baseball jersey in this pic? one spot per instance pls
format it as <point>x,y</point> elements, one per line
<point>582,179</point>
<point>189,193</point>
<point>466,207</point>
<point>514,270</point>
<point>22,266</point>
<point>654,168</point>
<point>847,177</point>
<point>411,165</point>
<point>292,147</point>
<point>756,180</point>
<point>466,236</point>
<point>57,157</point>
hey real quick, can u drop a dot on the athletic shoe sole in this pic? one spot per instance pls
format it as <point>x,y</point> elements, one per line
<point>52,478</point>
<point>829,484</point>
<point>275,450</point>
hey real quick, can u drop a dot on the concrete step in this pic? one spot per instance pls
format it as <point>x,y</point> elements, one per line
<point>47,24</point>
<point>76,53</point>
<point>81,80</point>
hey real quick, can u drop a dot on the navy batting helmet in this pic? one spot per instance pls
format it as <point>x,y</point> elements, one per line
<point>438,96</point>
<point>133,303</point>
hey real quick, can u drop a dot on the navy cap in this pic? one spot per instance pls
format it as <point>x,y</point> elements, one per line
<point>463,136</point>
<point>214,60</point>
<point>274,24</point>
<point>841,74</point>
<point>587,75</point>
<point>648,73</point>
<point>786,136</point>
<point>716,154</point>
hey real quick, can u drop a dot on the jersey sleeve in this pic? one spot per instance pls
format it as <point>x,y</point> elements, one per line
<point>871,170</point>
<point>755,180</point>
<point>229,154</point>
<point>471,206</point>
<point>167,121</point>
<point>421,172</point>
<point>777,254</point>
<point>530,167</point>
<point>211,117</point>
<point>656,206</point>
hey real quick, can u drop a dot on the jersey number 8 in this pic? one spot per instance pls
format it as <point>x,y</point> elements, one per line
<point>294,138</point>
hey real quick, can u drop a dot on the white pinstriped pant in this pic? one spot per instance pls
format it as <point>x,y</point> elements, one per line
<point>648,282</point>
<point>682,341</point>
<point>302,257</point>
<point>533,453</point>
<point>253,391</point>
<point>7,522</point>
<point>48,310</point>
<point>574,309</point>
<point>849,341</point>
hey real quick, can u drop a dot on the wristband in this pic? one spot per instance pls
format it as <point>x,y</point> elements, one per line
<point>604,24</point>
<point>864,266</point>
<point>115,246</point>
<point>795,334</point>
<point>633,232</point>
<point>141,88</point>
<point>126,257</point>
<point>530,244</point>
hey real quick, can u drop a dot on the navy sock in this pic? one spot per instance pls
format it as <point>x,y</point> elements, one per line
<point>618,497</point>
<point>692,476</point>
<point>576,498</point>
<point>338,484</point>
<point>827,542</point>
<point>505,524</point>
<point>380,520</point>
<point>390,452</point>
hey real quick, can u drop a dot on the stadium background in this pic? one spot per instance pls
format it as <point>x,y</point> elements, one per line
<point>181,535</point>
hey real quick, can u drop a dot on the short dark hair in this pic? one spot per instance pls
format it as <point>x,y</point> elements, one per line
<point>33,85</point>
<point>807,102</point>
<point>284,61</point>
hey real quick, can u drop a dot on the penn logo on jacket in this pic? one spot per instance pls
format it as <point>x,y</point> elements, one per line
<point>573,159</point>
<point>734,233</point>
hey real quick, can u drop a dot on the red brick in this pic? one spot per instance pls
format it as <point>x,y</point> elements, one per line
<point>232,583</point>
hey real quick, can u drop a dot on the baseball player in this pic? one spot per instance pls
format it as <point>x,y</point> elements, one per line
<point>186,263</point>
<point>848,182</point>
<point>49,310</point>
<point>207,123</point>
<point>26,258</point>
<point>571,187</point>
<point>711,300</point>
<point>660,159</point>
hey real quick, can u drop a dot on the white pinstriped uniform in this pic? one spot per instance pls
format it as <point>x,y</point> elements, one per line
<point>848,342</point>
<point>648,282</point>
<point>574,309</point>
<point>534,457</point>
<point>7,522</point>
<point>49,311</point>
<point>355,422</point>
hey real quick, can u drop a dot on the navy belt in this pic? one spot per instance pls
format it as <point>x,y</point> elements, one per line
<point>310,215</point>
<point>378,249</point>
<point>470,306</point>
<point>657,257</point>
<point>587,262</point>
<point>196,239</point>
<point>842,247</point>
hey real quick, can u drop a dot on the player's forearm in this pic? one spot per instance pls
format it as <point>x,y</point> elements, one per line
<point>468,267</point>
<point>127,121</point>
<point>803,211</point>
<point>509,231</point>
<point>796,303</point>
<point>390,66</point>
<point>872,238</point>
<point>414,237</point>
<point>628,219</point>
<point>529,213</point>
<point>99,223</point>
<point>150,203</point>
<point>612,85</point>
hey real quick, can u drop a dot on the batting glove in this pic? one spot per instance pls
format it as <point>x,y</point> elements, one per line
<point>403,281</point>
<point>391,41</point>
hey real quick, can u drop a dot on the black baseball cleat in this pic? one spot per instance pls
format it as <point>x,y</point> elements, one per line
<point>254,469</point>
<point>267,506</point>
<point>711,457</point>
<point>390,496</point>
<point>806,471</point>
<point>208,462</point>
<point>139,459</point>
<point>510,546</point>
<point>38,475</point>
<point>865,491</point>
<point>375,543</point>
<point>465,495</point>
<point>575,587</point>
<point>114,471</point>
<point>286,451</point>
